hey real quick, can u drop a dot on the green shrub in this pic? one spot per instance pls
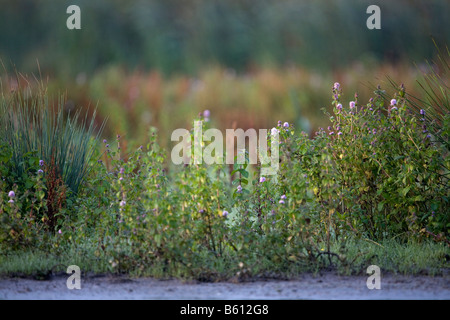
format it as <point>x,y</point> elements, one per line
<point>31,125</point>
<point>44,159</point>
<point>376,170</point>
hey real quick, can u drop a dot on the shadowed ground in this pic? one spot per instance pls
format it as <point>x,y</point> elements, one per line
<point>325,286</point>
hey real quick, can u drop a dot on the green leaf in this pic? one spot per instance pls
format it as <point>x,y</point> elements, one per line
<point>404,191</point>
<point>244,172</point>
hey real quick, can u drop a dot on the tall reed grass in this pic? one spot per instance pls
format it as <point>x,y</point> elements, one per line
<point>32,122</point>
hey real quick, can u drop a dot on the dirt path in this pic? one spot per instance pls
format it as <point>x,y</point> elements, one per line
<point>326,286</point>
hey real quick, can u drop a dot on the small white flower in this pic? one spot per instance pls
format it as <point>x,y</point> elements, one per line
<point>274,131</point>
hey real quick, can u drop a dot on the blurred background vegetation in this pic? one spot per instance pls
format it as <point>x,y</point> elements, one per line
<point>250,62</point>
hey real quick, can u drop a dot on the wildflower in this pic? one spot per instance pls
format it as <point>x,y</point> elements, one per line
<point>422,112</point>
<point>104,140</point>
<point>352,104</point>
<point>201,211</point>
<point>107,145</point>
<point>331,133</point>
<point>239,189</point>
<point>281,201</point>
<point>329,128</point>
<point>393,108</point>
<point>283,197</point>
<point>121,178</point>
<point>274,131</point>
<point>40,171</point>
<point>339,133</point>
<point>59,231</point>
<point>336,86</point>
<point>393,102</point>
<point>118,136</point>
<point>206,114</point>
<point>11,201</point>
<point>339,106</point>
<point>122,203</point>
<point>225,213</point>
<point>374,131</point>
<point>286,125</point>
<point>122,170</point>
<point>11,194</point>
<point>262,179</point>
<point>41,163</point>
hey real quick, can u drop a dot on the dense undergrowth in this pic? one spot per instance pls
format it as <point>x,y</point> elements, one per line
<point>378,174</point>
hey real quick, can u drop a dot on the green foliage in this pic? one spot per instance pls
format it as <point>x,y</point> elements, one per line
<point>20,215</point>
<point>30,125</point>
<point>435,104</point>
<point>376,173</point>
<point>44,159</point>
<point>174,37</point>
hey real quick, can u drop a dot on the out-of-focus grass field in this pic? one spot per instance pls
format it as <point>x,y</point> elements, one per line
<point>133,101</point>
<point>251,63</point>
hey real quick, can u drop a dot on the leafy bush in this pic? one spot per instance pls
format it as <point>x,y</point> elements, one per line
<point>44,159</point>
<point>376,170</point>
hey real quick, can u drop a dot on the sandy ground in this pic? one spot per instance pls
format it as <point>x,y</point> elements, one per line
<point>326,286</point>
